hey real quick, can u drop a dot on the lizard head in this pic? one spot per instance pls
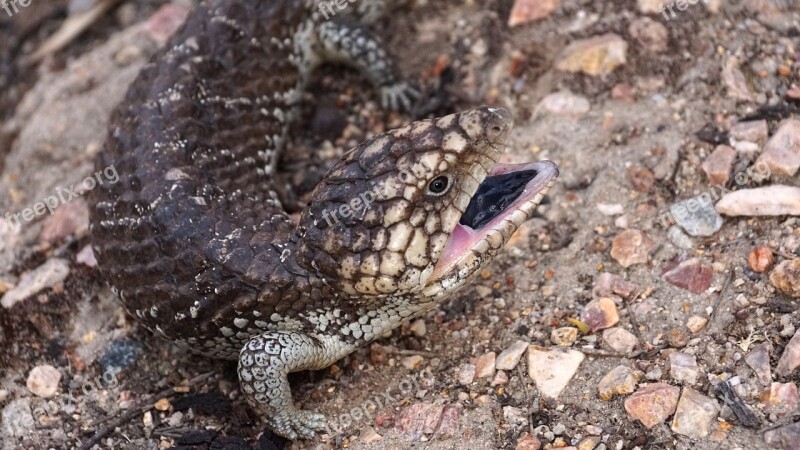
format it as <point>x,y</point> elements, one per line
<point>418,210</point>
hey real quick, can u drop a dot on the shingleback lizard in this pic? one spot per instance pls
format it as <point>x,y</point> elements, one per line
<point>200,250</point>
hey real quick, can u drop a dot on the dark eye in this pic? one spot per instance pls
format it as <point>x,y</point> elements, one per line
<point>439,185</point>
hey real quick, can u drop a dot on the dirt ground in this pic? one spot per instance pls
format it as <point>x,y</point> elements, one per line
<point>634,135</point>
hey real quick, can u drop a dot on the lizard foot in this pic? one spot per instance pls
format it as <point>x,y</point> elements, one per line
<point>399,96</point>
<point>297,424</point>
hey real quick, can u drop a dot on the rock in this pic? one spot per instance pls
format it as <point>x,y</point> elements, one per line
<point>790,358</point>
<point>755,131</point>
<point>70,219</point>
<point>652,404</point>
<point>650,6</point>
<point>608,284</point>
<point>593,430</point>
<point>690,274</point>
<point>378,354</point>
<point>785,277</point>
<point>565,336</point>
<point>632,247</point>
<point>49,274</point>
<point>775,200</point>
<point>641,178</point>
<point>696,414</point>
<point>525,11</point>
<point>782,152</point>
<point>43,381</point>
<point>466,374</point>
<point>509,358</point>
<point>120,355</point>
<point>17,419</point>
<point>418,419</point>
<point>86,256</point>
<point>620,340</point>
<point>500,379</point>
<point>784,438</point>
<point>676,235</point>
<point>758,360</point>
<point>450,422</point>
<point>620,381</point>
<point>650,34</point>
<point>588,443</point>
<point>528,443</point>
<point>369,436</point>
<point>600,314</point>
<point>418,328</point>
<point>552,369</point>
<point>515,417</point>
<point>623,92</point>
<point>678,337</point>
<point>598,55</point>
<point>485,365</point>
<point>654,374</point>
<point>683,367</point>
<point>565,104</point>
<point>781,399</point>
<point>760,259</point>
<point>166,21</point>
<point>696,323</point>
<point>610,209</point>
<point>162,404</point>
<point>719,164</point>
<point>413,362</point>
<point>735,81</point>
<point>697,216</point>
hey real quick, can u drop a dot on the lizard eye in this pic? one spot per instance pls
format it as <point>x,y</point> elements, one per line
<point>439,185</point>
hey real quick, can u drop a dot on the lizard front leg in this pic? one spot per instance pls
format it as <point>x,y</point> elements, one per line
<point>264,365</point>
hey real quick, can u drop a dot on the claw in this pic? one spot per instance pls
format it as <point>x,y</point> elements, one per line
<point>399,95</point>
<point>298,424</point>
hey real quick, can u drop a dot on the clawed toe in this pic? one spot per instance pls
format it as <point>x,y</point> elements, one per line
<point>400,96</point>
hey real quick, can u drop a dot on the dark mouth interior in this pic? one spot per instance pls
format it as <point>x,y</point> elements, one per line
<point>494,195</point>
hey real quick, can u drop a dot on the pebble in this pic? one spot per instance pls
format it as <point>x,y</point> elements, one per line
<point>162,404</point>
<point>528,443</point>
<point>418,328</point>
<point>690,274</point>
<point>86,256</point>
<point>166,21</point>
<point>588,443</point>
<point>369,436</point>
<point>719,164</point>
<point>654,374</point>
<point>49,274</point>
<point>509,358</point>
<point>610,209</point>
<point>735,81</point>
<point>683,367</point>
<point>466,374</point>
<point>652,404</point>
<point>755,131</point>
<point>419,418</point>
<point>781,399</point>
<point>70,219</point>
<point>786,277</point>
<point>552,369</point>
<point>500,379</point>
<point>565,103</point>
<point>450,422</point>
<point>697,216</point>
<point>682,240</point>
<point>378,354</point>
<point>609,284</point>
<point>696,323</point>
<point>600,314</point>
<point>632,247</point>
<point>790,358</point>
<point>120,355</point>
<point>485,365</point>
<point>774,200</point>
<point>760,259</point>
<point>621,380</point>
<point>620,340</point>
<point>650,6</point>
<point>413,362</point>
<point>650,34</point>
<point>785,438</point>
<point>515,417</point>
<point>525,11</point>
<point>641,178</point>
<point>593,430</point>
<point>696,414</point>
<point>598,55</point>
<point>678,337</point>
<point>564,336</point>
<point>43,380</point>
<point>758,360</point>
<point>782,152</point>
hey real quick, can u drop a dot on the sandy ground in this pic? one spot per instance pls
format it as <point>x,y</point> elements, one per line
<point>657,115</point>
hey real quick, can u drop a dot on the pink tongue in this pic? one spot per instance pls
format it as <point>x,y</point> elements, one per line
<point>461,239</point>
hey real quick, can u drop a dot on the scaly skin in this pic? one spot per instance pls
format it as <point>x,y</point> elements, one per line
<point>199,248</point>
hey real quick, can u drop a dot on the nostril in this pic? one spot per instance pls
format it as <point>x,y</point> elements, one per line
<point>497,129</point>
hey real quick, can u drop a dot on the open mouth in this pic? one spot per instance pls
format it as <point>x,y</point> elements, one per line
<point>507,197</point>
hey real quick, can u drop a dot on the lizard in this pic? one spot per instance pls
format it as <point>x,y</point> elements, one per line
<point>195,242</point>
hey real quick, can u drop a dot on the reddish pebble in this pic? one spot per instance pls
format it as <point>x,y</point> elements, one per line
<point>690,274</point>
<point>760,259</point>
<point>641,178</point>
